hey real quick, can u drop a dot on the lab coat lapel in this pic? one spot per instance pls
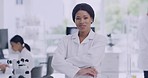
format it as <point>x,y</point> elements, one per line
<point>75,38</point>
<point>89,37</point>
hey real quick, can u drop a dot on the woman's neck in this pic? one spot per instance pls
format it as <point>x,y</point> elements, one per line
<point>20,50</point>
<point>83,35</point>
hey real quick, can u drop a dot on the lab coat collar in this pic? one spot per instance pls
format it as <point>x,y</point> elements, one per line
<point>23,50</point>
<point>90,36</point>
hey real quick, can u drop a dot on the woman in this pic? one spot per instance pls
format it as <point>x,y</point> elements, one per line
<point>143,44</point>
<point>23,49</point>
<point>78,55</point>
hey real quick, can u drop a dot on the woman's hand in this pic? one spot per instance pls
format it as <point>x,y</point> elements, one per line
<point>3,67</point>
<point>88,71</point>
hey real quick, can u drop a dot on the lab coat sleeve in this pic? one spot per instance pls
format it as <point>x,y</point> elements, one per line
<point>93,57</point>
<point>60,64</point>
<point>31,62</point>
<point>143,43</point>
<point>28,55</point>
<point>143,30</point>
<point>143,36</point>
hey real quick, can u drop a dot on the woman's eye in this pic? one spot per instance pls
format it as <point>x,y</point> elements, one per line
<point>77,18</point>
<point>85,17</point>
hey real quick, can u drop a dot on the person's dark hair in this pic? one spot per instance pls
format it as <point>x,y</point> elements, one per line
<point>18,38</point>
<point>85,7</point>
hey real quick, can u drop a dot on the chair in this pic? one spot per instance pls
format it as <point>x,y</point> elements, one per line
<point>1,54</point>
<point>36,72</point>
<point>49,68</point>
<point>71,30</point>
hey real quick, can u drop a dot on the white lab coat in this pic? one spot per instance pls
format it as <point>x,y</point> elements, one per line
<point>25,54</point>
<point>143,43</point>
<point>71,55</point>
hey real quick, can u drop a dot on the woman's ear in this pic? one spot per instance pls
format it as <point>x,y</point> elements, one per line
<point>91,20</point>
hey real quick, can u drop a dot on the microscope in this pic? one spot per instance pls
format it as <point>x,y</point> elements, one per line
<point>110,44</point>
<point>110,40</point>
<point>20,68</point>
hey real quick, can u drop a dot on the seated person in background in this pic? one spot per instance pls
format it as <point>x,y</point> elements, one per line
<point>3,67</point>
<point>23,49</point>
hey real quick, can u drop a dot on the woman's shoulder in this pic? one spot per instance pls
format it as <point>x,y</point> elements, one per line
<point>66,37</point>
<point>25,51</point>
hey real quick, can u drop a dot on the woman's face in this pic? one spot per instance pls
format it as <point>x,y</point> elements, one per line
<point>83,21</point>
<point>15,46</point>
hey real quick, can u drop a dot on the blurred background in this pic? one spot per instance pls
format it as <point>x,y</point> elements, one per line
<point>42,23</point>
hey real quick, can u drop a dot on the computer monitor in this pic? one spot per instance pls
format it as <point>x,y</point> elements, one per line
<point>3,41</point>
<point>71,30</point>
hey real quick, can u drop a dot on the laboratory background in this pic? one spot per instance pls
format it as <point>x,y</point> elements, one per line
<point>42,23</point>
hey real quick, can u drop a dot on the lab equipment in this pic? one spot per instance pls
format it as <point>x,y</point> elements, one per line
<point>20,68</point>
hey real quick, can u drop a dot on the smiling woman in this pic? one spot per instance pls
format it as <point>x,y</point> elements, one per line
<point>83,16</point>
<point>79,55</point>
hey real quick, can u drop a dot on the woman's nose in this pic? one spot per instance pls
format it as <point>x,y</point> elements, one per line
<point>82,21</point>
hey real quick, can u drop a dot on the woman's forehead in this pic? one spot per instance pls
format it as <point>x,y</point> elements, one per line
<point>13,43</point>
<point>82,13</point>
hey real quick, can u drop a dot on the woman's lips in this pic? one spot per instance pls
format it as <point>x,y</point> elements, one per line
<point>82,26</point>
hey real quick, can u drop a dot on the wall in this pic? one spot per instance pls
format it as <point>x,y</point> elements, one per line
<point>1,14</point>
